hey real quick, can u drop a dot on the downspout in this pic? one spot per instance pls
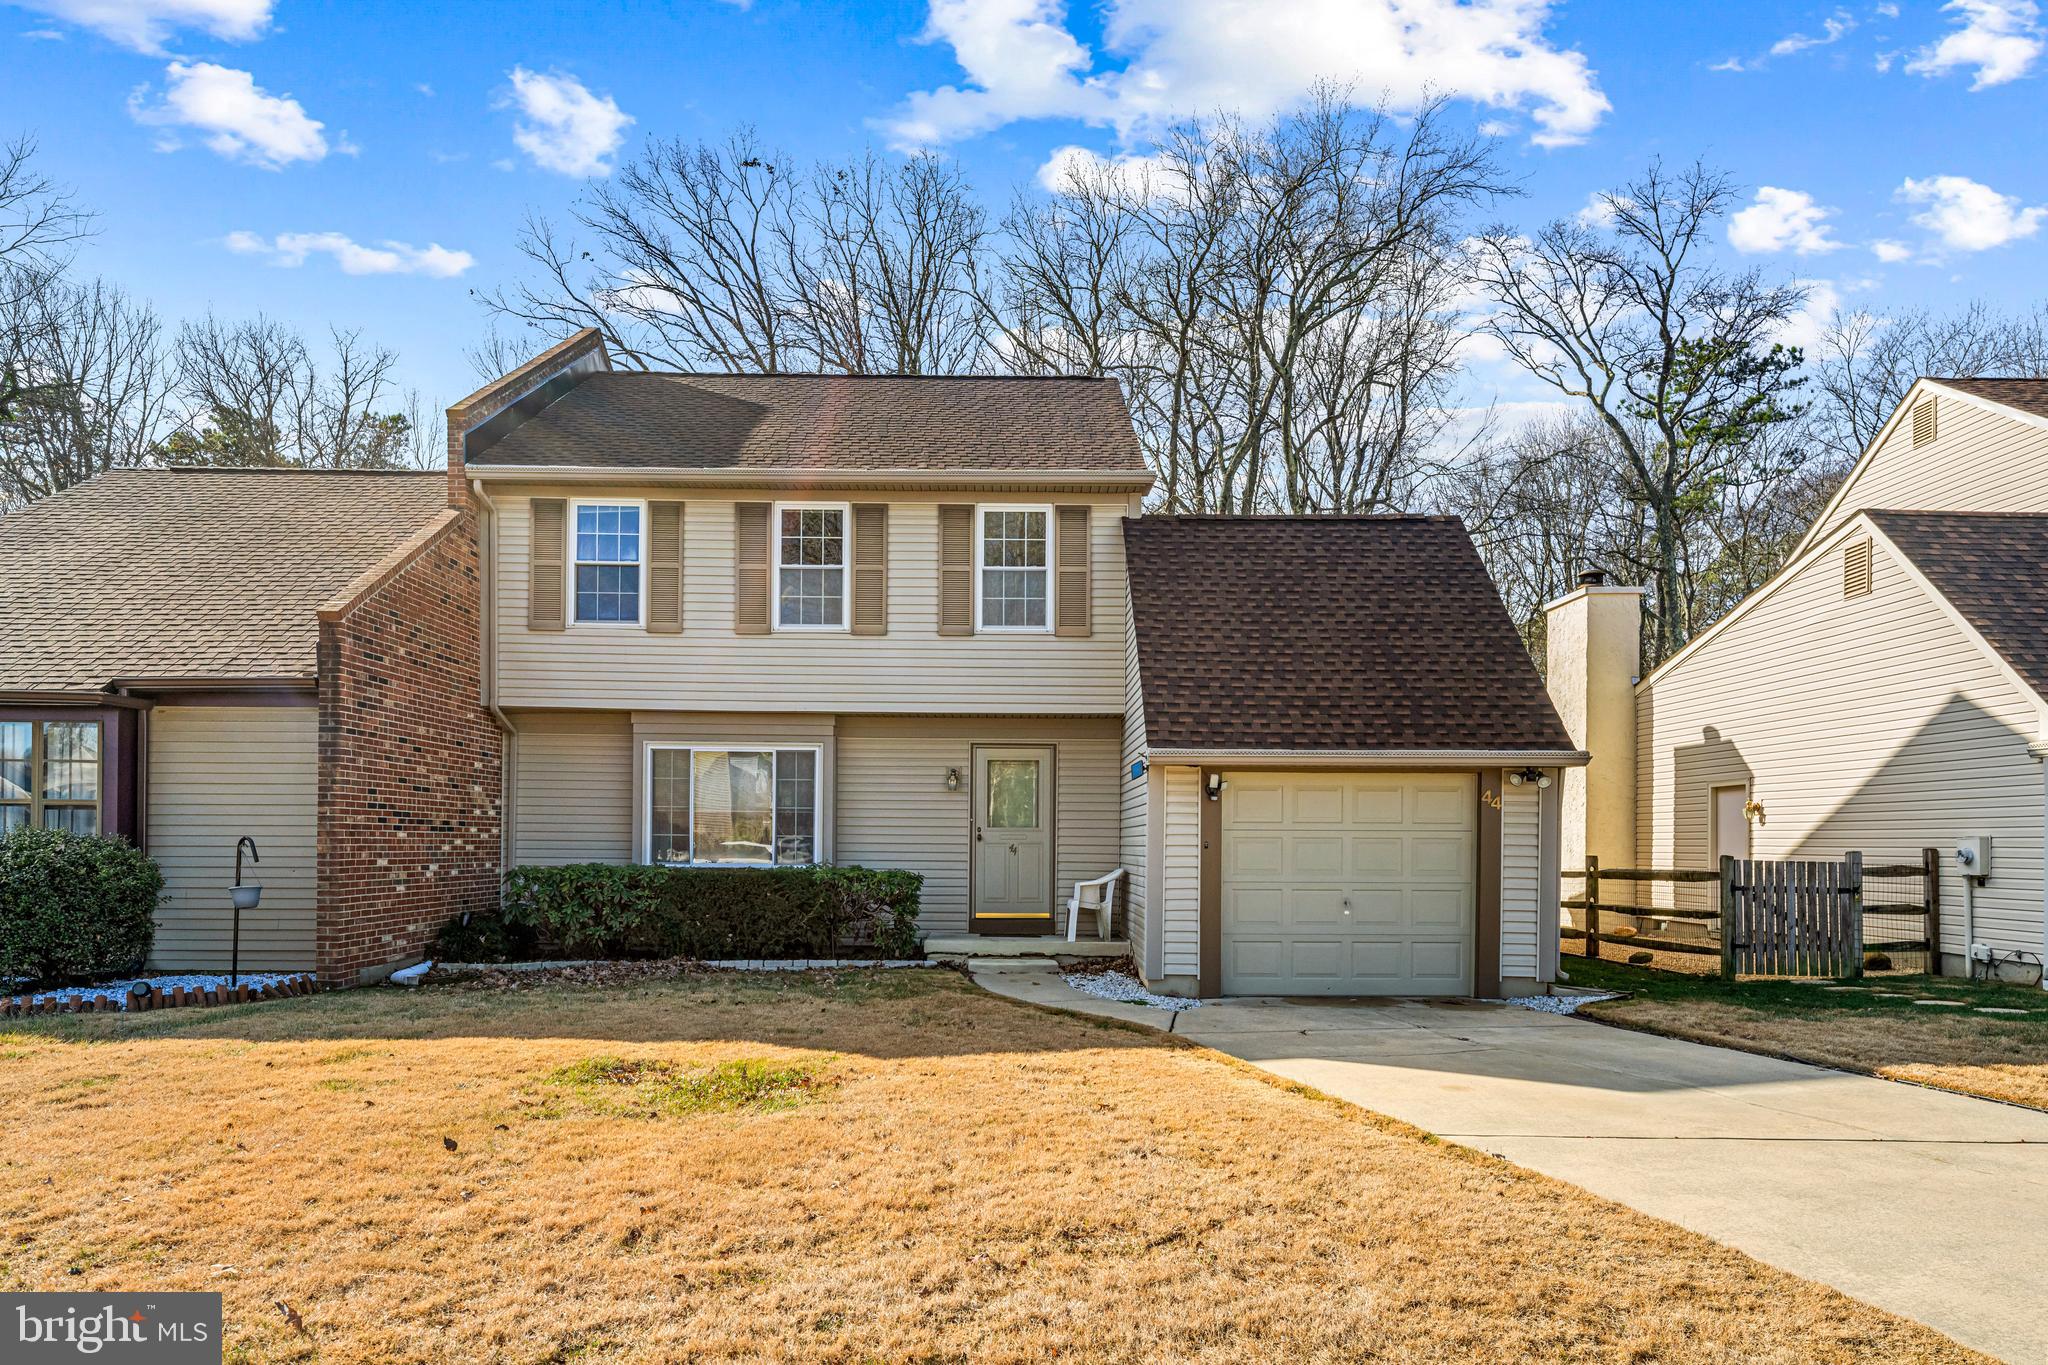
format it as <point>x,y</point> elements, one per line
<point>487,624</point>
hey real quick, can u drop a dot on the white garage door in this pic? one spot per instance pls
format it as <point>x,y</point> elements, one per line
<point>1348,883</point>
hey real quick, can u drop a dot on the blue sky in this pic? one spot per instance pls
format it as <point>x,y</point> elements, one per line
<point>266,155</point>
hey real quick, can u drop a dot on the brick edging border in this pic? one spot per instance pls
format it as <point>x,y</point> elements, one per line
<point>86,1000</point>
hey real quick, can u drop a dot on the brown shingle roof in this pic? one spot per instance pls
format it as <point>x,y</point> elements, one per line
<point>827,422</point>
<point>149,573</point>
<point>2028,395</point>
<point>1328,633</point>
<point>1993,568</point>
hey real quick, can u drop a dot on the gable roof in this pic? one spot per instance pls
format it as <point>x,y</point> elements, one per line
<point>796,423</point>
<point>192,573</point>
<point>2024,395</point>
<point>1337,633</point>
<point>1992,567</point>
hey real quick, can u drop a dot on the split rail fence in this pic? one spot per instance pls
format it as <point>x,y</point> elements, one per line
<point>1766,917</point>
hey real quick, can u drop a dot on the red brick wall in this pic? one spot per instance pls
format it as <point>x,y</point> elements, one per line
<point>410,764</point>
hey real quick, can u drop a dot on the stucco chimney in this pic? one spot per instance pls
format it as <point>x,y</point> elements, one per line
<point>1594,635</point>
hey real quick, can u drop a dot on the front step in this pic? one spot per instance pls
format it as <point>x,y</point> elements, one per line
<point>968,947</point>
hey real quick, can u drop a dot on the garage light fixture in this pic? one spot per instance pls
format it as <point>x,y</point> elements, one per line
<point>1215,786</point>
<point>1524,776</point>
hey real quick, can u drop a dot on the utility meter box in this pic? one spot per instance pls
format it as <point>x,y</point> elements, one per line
<point>1973,855</point>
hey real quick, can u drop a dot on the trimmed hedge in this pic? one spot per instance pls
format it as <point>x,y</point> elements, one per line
<point>74,907</point>
<point>605,910</point>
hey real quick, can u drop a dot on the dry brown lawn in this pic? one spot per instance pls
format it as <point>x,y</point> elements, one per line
<point>904,1168</point>
<point>1872,1026</point>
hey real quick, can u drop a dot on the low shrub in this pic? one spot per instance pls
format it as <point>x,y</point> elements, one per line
<point>605,910</point>
<point>74,907</point>
<point>484,938</point>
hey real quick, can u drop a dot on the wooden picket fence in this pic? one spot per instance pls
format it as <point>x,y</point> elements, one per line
<point>1791,918</point>
<point>1802,917</point>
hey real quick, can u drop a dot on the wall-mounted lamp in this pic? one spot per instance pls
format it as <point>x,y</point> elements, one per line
<point>1521,777</point>
<point>952,779</point>
<point>1215,787</point>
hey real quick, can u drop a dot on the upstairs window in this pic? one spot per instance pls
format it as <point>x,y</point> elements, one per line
<point>1013,586</point>
<point>50,775</point>
<point>605,543</point>
<point>810,567</point>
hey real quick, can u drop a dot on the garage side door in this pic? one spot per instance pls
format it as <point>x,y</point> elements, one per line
<point>1348,883</point>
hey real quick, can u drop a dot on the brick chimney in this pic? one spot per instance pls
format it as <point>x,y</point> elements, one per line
<point>1594,635</point>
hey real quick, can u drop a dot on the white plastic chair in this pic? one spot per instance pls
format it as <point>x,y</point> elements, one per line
<point>1099,896</point>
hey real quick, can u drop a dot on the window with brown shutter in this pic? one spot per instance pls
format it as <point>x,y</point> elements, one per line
<point>665,567</point>
<point>1925,421</point>
<point>750,543</point>
<point>544,596</point>
<point>1073,590</point>
<point>870,568</point>
<point>956,569</point>
<point>1856,569</point>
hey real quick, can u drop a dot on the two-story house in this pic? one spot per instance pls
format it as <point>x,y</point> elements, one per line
<point>753,620</point>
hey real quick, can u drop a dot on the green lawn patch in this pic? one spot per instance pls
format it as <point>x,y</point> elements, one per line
<point>652,1088</point>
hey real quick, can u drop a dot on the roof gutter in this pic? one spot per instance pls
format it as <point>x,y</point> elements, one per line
<point>1378,758</point>
<point>1118,480</point>
<point>224,683</point>
<point>25,696</point>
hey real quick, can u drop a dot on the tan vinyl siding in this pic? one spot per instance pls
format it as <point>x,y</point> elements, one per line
<point>911,670</point>
<point>893,809</point>
<point>1179,909</point>
<point>1521,881</point>
<point>217,773</point>
<point>574,802</point>
<point>1872,723</point>
<point>1981,460</point>
<point>1132,805</point>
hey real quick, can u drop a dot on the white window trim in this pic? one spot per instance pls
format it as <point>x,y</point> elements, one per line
<point>1051,558</point>
<point>639,622</point>
<point>817,751</point>
<point>845,511</point>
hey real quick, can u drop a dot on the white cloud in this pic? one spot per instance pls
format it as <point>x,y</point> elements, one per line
<point>1968,216</point>
<point>1194,57</point>
<point>1130,171</point>
<point>564,127</point>
<point>1832,29</point>
<point>1886,10</point>
<point>1999,39</point>
<point>1782,220</point>
<point>1728,64</point>
<point>1597,212</point>
<point>234,116</point>
<point>1889,251</point>
<point>1806,327</point>
<point>292,249</point>
<point>145,24</point>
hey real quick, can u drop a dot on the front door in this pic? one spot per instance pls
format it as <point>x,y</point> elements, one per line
<point>1012,841</point>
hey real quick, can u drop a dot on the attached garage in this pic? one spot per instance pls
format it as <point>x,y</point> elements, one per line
<point>1342,766</point>
<point>1348,883</point>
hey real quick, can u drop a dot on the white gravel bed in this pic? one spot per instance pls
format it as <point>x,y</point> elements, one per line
<point>1125,990</point>
<point>1558,1004</point>
<point>117,991</point>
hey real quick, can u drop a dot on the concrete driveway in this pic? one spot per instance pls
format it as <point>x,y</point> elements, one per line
<point>1932,1205</point>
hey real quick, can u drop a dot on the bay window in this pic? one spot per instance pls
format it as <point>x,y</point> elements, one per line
<point>732,807</point>
<point>50,775</point>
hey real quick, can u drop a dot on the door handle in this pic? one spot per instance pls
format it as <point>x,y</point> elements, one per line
<point>1013,848</point>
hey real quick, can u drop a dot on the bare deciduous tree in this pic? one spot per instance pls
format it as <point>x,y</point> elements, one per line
<point>1674,356</point>
<point>39,223</point>
<point>1866,362</point>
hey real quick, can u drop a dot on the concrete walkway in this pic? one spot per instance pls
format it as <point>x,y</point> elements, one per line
<point>1932,1205</point>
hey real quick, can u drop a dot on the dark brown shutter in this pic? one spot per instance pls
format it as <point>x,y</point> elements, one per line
<point>544,595</point>
<point>750,568</point>
<point>665,567</point>
<point>1072,616</point>
<point>956,569</point>
<point>871,568</point>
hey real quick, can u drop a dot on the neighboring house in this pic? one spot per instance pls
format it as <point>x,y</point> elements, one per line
<point>743,621</point>
<point>190,656</point>
<point>1886,691</point>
